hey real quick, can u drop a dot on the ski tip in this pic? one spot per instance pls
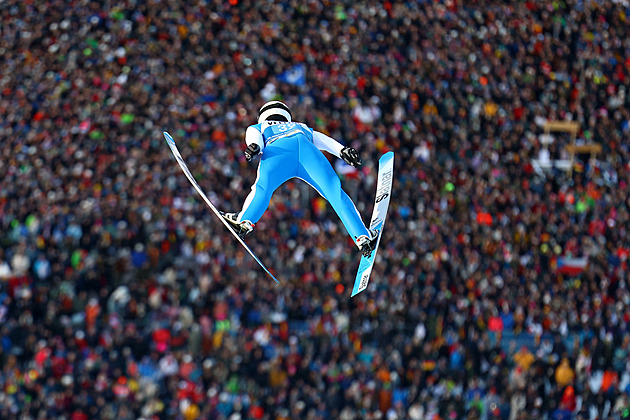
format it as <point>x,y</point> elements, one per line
<point>270,275</point>
<point>386,156</point>
<point>273,277</point>
<point>169,139</point>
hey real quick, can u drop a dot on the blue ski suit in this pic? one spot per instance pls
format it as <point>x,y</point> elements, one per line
<point>292,150</point>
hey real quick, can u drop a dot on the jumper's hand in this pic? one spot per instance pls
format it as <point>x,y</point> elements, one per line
<point>351,156</point>
<point>251,151</point>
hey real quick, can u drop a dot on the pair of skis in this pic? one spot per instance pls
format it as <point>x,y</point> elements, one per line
<point>381,204</point>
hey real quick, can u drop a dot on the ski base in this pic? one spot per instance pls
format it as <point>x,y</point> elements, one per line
<point>381,204</point>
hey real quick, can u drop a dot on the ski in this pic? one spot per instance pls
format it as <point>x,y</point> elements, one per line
<point>381,204</point>
<point>191,178</point>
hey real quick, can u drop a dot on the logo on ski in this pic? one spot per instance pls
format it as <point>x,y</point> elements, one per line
<point>386,182</point>
<point>385,187</point>
<point>364,281</point>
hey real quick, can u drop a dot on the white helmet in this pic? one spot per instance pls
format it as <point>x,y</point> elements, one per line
<point>274,111</point>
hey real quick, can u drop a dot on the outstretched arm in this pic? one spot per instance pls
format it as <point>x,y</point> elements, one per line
<point>323,142</point>
<point>348,154</point>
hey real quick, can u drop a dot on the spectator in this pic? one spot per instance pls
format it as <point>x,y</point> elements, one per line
<point>564,373</point>
<point>524,358</point>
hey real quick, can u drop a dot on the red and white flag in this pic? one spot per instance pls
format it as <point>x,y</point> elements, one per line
<point>572,266</point>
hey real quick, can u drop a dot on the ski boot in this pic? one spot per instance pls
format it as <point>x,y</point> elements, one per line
<point>241,228</point>
<point>367,245</point>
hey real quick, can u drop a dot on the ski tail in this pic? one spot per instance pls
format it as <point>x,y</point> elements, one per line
<point>381,204</point>
<point>180,160</point>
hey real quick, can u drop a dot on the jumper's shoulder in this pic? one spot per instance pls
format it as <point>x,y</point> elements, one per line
<point>257,127</point>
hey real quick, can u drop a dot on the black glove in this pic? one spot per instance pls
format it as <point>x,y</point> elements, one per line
<point>351,156</point>
<point>251,151</point>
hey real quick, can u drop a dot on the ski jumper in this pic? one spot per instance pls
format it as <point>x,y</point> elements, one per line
<point>292,150</point>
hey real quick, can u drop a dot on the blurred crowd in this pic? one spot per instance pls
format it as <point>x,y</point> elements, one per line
<point>123,297</point>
